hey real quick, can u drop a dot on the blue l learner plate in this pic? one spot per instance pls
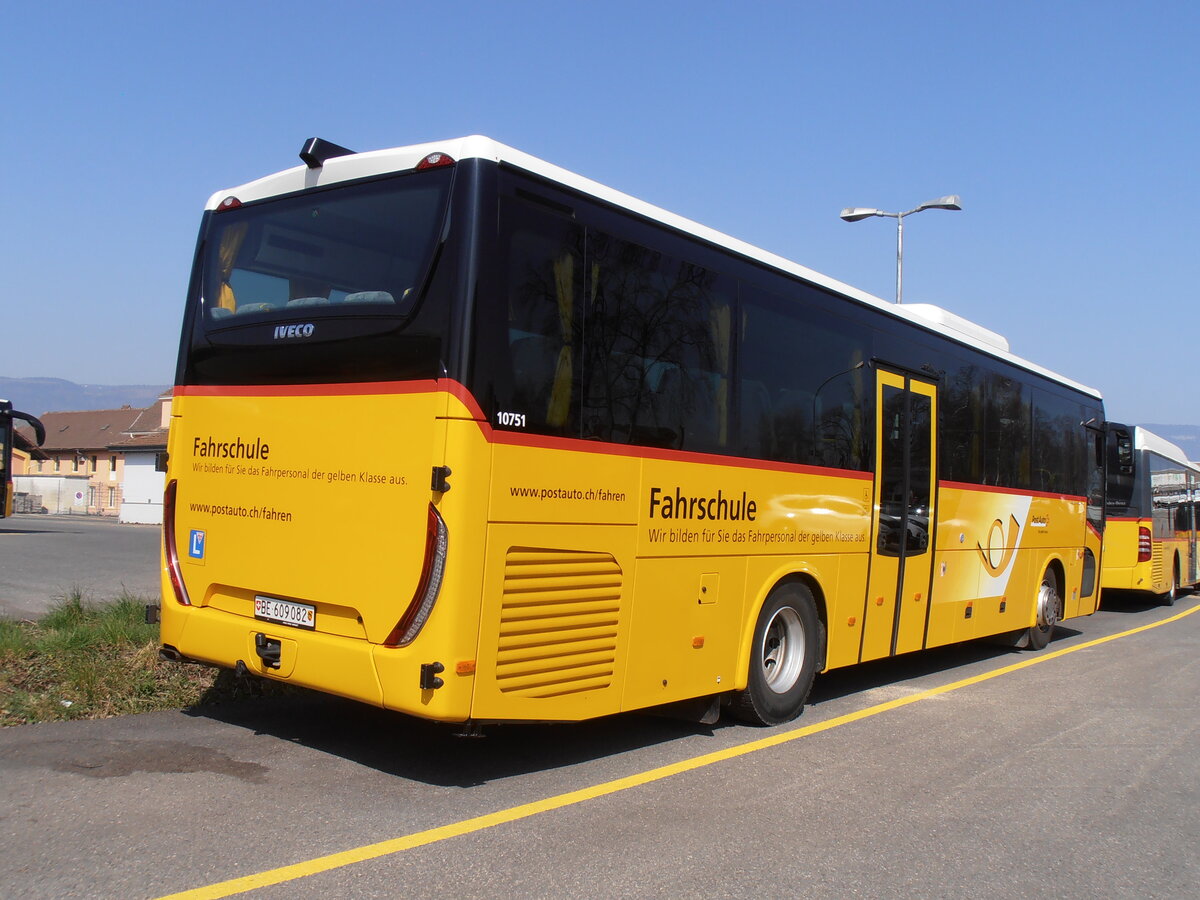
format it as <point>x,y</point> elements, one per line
<point>285,612</point>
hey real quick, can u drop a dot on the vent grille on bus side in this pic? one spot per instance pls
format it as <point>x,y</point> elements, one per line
<point>558,622</point>
<point>1156,564</point>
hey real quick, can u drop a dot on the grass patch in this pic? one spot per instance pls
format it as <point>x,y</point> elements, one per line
<point>92,661</point>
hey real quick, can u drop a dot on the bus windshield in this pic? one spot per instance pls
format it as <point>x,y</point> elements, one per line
<point>360,249</point>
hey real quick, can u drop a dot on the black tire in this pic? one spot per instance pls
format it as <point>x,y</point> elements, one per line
<point>1172,594</point>
<point>788,638</point>
<point>1049,612</point>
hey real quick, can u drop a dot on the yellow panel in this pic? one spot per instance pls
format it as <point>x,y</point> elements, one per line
<point>339,525</point>
<point>880,609</point>
<point>532,484</point>
<point>955,583</point>
<point>844,582</point>
<point>681,647</point>
<point>280,512</point>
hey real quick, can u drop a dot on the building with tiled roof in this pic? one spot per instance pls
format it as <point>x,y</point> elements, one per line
<point>143,480</point>
<point>100,445</point>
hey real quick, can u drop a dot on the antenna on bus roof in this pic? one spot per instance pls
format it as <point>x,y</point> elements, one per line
<point>315,152</point>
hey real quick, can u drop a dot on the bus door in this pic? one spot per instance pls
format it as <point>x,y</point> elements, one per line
<point>1189,520</point>
<point>902,549</point>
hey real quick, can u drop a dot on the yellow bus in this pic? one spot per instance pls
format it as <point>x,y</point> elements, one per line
<point>1150,540</point>
<point>462,434</point>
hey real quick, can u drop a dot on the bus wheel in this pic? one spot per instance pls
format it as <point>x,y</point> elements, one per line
<point>1049,611</point>
<point>1172,594</point>
<point>783,659</point>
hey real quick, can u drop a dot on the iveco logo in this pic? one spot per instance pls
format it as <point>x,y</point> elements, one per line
<point>293,331</point>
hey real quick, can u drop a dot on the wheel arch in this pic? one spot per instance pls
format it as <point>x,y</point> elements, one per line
<point>1055,566</point>
<point>806,575</point>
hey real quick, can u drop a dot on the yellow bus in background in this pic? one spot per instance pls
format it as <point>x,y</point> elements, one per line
<point>8,447</point>
<point>1150,541</point>
<point>461,434</point>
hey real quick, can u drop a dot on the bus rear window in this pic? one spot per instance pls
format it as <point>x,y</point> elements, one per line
<point>360,249</point>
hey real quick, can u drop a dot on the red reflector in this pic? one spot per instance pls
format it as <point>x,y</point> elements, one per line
<point>435,161</point>
<point>1145,547</point>
<point>429,585</point>
<point>169,546</point>
<point>228,203</point>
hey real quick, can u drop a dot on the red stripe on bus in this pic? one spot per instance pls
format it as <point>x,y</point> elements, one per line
<point>466,398</point>
<point>372,388</point>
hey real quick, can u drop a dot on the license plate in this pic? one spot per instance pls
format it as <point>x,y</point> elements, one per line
<point>285,612</point>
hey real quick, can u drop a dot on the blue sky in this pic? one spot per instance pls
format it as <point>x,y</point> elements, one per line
<point>1068,129</point>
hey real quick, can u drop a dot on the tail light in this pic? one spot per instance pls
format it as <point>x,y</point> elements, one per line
<point>428,587</point>
<point>172,551</point>
<point>1144,546</point>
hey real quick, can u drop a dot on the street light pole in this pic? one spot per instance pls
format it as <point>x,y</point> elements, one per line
<point>858,213</point>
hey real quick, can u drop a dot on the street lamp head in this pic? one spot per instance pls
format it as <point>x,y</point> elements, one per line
<point>858,213</point>
<point>950,201</point>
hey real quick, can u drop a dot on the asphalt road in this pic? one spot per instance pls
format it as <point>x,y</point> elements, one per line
<point>951,773</point>
<point>43,558</point>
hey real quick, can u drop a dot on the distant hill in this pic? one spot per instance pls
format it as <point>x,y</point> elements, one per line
<point>42,395</point>
<point>1186,436</point>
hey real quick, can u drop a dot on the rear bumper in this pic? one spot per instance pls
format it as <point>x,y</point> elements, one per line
<point>347,667</point>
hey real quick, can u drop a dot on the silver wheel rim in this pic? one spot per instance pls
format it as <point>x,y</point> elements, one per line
<point>1047,610</point>
<point>782,652</point>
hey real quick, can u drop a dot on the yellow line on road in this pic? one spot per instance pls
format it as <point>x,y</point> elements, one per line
<point>571,798</point>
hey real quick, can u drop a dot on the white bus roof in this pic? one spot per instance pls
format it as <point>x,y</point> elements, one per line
<point>382,162</point>
<point>1148,440</point>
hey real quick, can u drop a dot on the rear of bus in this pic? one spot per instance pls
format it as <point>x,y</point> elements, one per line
<point>1150,545</point>
<point>309,513</point>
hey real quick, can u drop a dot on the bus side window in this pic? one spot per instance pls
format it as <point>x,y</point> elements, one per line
<point>657,345</point>
<point>807,401</point>
<point>541,279</point>
<point>961,410</point>
<point>1060,453</point>
<point>1007,421</point>
<point>757,433</point>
